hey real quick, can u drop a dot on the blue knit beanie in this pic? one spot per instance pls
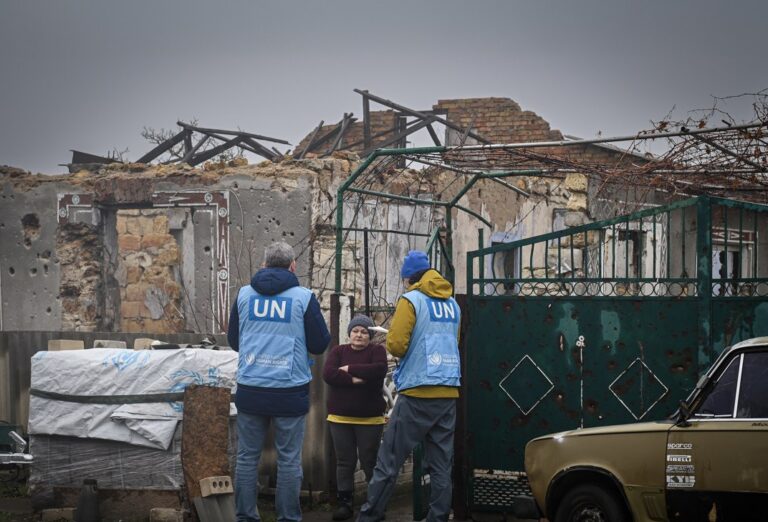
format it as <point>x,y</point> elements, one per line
<point>416,261</point>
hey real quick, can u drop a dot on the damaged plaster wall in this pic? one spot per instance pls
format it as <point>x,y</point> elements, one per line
<point>149,248</point>
<point>30,272</point>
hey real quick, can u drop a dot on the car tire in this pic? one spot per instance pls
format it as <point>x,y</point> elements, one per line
<point>588,503</point>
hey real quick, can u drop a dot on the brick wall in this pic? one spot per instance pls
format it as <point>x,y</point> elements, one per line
<point>500,120</point>
<point>148,273</point>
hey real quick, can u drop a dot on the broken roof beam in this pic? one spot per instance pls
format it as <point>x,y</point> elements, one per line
<point>230,133</point>
<point>420,115</point>
<point>366,121</point>
<point>399,136</point>
<point>191,152</point>
<point>343,130</point>
<point>311,140</point>
<point>250,145</point>
<point>79,157</point>
<point>330,134</point>
<point>163,147</point>
<point>433,134</point>
<point>258,148</point>
<point>218,149</point>
<point>377,135</point>
<point>278,155</point>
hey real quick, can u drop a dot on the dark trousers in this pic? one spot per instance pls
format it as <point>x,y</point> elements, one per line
<point>352,442</point>
<point>414,420</point>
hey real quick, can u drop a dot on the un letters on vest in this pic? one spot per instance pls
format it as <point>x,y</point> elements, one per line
<point>441,311</point>
<point>261,308</point>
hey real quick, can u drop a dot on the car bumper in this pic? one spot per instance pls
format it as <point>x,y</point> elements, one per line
<point>525,507</point>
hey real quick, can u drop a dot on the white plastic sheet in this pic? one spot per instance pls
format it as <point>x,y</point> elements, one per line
<point>115,372</point>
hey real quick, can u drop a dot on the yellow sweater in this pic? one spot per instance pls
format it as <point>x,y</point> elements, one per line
<point>403,322</point>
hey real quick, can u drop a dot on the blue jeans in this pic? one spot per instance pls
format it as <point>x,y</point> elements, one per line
<point>289,437</point>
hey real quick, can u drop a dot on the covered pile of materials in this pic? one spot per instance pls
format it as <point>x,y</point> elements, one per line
<point>114,415</point>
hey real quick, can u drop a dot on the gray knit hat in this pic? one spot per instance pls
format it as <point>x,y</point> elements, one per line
<point>360,320</point>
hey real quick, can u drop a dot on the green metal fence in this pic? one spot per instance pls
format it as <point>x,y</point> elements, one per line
<point>605,323</point>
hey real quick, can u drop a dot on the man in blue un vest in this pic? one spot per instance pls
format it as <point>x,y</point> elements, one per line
<point>275,324</point>
<point>424,334</point>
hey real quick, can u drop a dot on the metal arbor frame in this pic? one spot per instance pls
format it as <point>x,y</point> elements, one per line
<point>440,251</point>
<point>719,161</point>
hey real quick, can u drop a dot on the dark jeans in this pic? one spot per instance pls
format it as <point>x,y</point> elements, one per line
<point>352,442</point>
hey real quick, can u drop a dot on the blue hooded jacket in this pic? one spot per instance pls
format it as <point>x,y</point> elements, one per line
<point>280,402</point>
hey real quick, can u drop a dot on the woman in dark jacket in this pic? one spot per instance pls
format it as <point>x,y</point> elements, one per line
<point>355,373</point>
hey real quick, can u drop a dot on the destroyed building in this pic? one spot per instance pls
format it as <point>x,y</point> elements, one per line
<point>156,250</point>
<point>161,249</point>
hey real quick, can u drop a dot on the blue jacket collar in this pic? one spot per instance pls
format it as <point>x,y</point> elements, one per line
<point>272,281</point>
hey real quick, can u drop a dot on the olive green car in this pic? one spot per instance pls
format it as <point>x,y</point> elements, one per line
<point>708,462</point>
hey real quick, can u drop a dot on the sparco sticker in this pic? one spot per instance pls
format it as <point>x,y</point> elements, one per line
<point>680,446</point>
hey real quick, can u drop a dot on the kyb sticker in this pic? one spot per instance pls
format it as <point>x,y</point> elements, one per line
<point>681,481</point>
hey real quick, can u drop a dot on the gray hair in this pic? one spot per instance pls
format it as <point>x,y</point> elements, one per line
<point>279,255</point>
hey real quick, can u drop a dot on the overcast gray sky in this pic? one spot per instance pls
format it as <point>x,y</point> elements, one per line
<point>88,75</point>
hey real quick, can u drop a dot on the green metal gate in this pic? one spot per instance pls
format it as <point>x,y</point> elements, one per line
<point>605,323</point>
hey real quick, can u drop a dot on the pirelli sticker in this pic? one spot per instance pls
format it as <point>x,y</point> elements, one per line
<point>680,471</point>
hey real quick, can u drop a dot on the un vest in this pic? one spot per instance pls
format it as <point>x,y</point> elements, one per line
<point>432,358</point>
<point>273,347</point>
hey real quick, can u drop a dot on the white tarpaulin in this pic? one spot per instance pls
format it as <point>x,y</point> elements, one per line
<point>78,375</point>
